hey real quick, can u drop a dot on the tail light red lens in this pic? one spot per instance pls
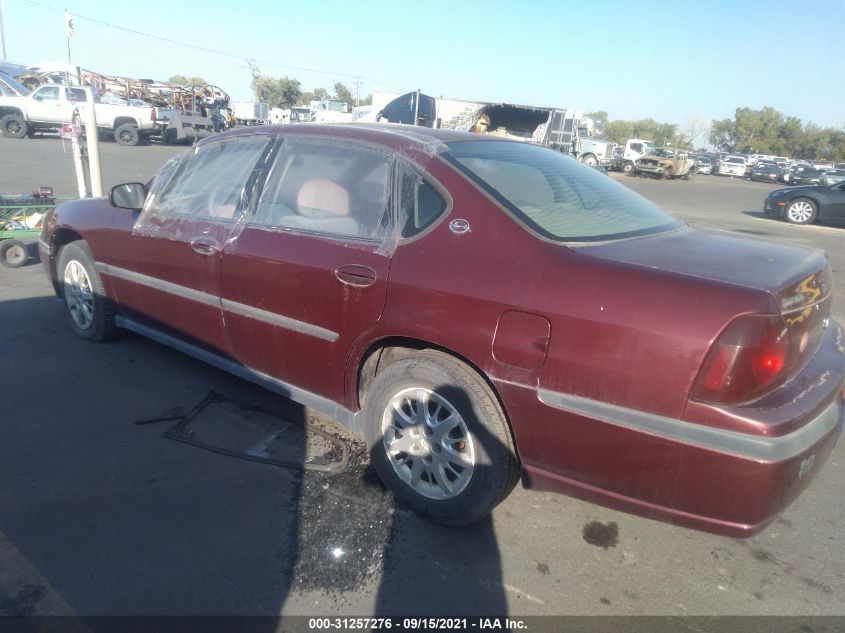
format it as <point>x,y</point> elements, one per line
<point>152,114</point>
<point>750,357</point>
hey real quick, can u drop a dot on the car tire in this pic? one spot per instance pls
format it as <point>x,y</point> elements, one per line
<point>13,126</point>
<point>13,253</point>
<point>127,134</point>
<point>590,160</point>
<point>800,211</point>
<point>455,474</point>
<point>91,312</point>
<point>628,168</point>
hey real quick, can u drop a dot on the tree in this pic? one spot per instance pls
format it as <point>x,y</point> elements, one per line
<point>281,92</point>
<point>368,100</point>
<point>320,94</point>
<point>182,80</point>
<point>306,98</point>
<point>342,93</point>
<point>723,135</point>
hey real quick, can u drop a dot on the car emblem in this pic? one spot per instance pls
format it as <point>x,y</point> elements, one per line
<point>459,227</point>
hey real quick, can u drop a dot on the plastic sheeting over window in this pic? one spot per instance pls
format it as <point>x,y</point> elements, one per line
<point>332,190</point>
<point>209,183</point>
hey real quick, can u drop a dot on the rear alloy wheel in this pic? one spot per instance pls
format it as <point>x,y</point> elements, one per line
<point>439,439</point>
<point>127,134</point>
<point>13,253</point>
<point>13,126</point>
<point>91,313</point>
<point>801,211</point>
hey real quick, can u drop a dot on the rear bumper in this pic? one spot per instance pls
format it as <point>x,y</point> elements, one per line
<point>688,473</point>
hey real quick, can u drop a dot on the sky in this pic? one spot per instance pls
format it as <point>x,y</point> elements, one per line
<point>673,61</point>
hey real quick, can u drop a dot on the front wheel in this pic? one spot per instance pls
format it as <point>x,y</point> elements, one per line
<point>13,253</point>
<point>628,168</point>
<point>91,312</point>
<point>800,211</point>
<point>439,439</point>
<point>590,160</point>
<point>14,126</point>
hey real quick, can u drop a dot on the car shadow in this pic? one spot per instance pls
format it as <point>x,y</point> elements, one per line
<point>99,516</point>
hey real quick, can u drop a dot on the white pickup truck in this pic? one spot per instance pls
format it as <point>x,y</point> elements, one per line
<point>23,113</point>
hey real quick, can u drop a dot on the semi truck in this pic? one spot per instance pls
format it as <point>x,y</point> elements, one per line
<point>566,130</point>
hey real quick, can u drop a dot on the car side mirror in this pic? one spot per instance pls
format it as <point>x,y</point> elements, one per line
<point>130,195</point>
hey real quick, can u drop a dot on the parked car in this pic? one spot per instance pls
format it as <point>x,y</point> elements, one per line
<point>806,176</point>
<point>832,177</point>
<point>765,171</point>
<point>665,162</point>
<point>806,204</point>
<point>731,166</point>
<point>476,307</point>
<point>703,165</point>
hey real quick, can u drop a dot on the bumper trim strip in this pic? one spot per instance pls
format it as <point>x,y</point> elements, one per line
<point>758,448</point>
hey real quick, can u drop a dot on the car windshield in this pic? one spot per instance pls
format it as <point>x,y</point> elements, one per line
<point>735,159</point>
<point>555,195</point>
<point>661,152</point>
<point>12,83</point>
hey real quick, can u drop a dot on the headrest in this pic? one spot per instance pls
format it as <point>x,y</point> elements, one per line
<point>321,197</point>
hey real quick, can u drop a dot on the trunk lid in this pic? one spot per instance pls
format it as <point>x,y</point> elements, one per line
<point>798,280</point>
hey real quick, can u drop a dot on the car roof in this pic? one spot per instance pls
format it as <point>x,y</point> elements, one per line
<point>394,135</point>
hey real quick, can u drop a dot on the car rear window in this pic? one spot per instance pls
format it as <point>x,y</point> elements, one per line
<point>555,195</point>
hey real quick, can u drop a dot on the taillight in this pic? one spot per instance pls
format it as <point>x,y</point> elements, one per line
<point>749,358</point>
<point>152,114</point>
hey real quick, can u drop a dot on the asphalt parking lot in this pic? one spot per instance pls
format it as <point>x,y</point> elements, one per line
<point>103,516</point>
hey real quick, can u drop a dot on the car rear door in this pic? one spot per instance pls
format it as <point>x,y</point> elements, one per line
<point>165,270</point>
<point>307,274</point>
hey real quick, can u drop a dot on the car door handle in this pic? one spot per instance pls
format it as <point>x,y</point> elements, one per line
<point>204,246</point>
<point>356,275</point>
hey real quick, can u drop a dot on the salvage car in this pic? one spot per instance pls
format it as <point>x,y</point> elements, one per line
<point>665,162</point>
<point>806,204</point>
<point>731,166</point>
<point>833,176</point>
<point>481,309</point>
<point>703,165</point>
<point>806,176</point>
<point>765,171</point>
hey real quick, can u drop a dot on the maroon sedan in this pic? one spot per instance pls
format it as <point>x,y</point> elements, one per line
<point>482,310</point>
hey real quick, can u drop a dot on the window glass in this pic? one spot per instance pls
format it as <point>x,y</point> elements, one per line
<point>328,188</point>
<point>47,93</point>
<point>75,94</point>
<point>210,181</point>
<point>555,195</point>
<point>419,202</point>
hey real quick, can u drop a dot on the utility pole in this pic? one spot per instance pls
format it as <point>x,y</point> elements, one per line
<point>2,32</point>
<point>357,83</point>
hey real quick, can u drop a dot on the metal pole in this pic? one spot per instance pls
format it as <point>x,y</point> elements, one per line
<point>93,144</point>
<point>76,145</point>
<point>417,108</point>
<point>67,71</point>
<point>2,33</point>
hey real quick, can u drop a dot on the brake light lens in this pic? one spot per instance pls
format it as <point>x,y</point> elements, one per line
<point>749,358</point>
<point>152,114</point>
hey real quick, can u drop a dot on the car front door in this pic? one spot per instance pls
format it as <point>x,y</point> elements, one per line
<point>307,274</point>
<point>164,265</point>
<point>47,106</point>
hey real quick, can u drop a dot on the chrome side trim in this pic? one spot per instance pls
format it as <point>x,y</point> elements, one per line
<point>347,418</point>
<point>224,304</point>
<point>277,319</point>
<point>159,284</point>
<point>763,449</point>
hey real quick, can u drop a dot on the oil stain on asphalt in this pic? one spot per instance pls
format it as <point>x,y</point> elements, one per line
<point>601,535</point>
